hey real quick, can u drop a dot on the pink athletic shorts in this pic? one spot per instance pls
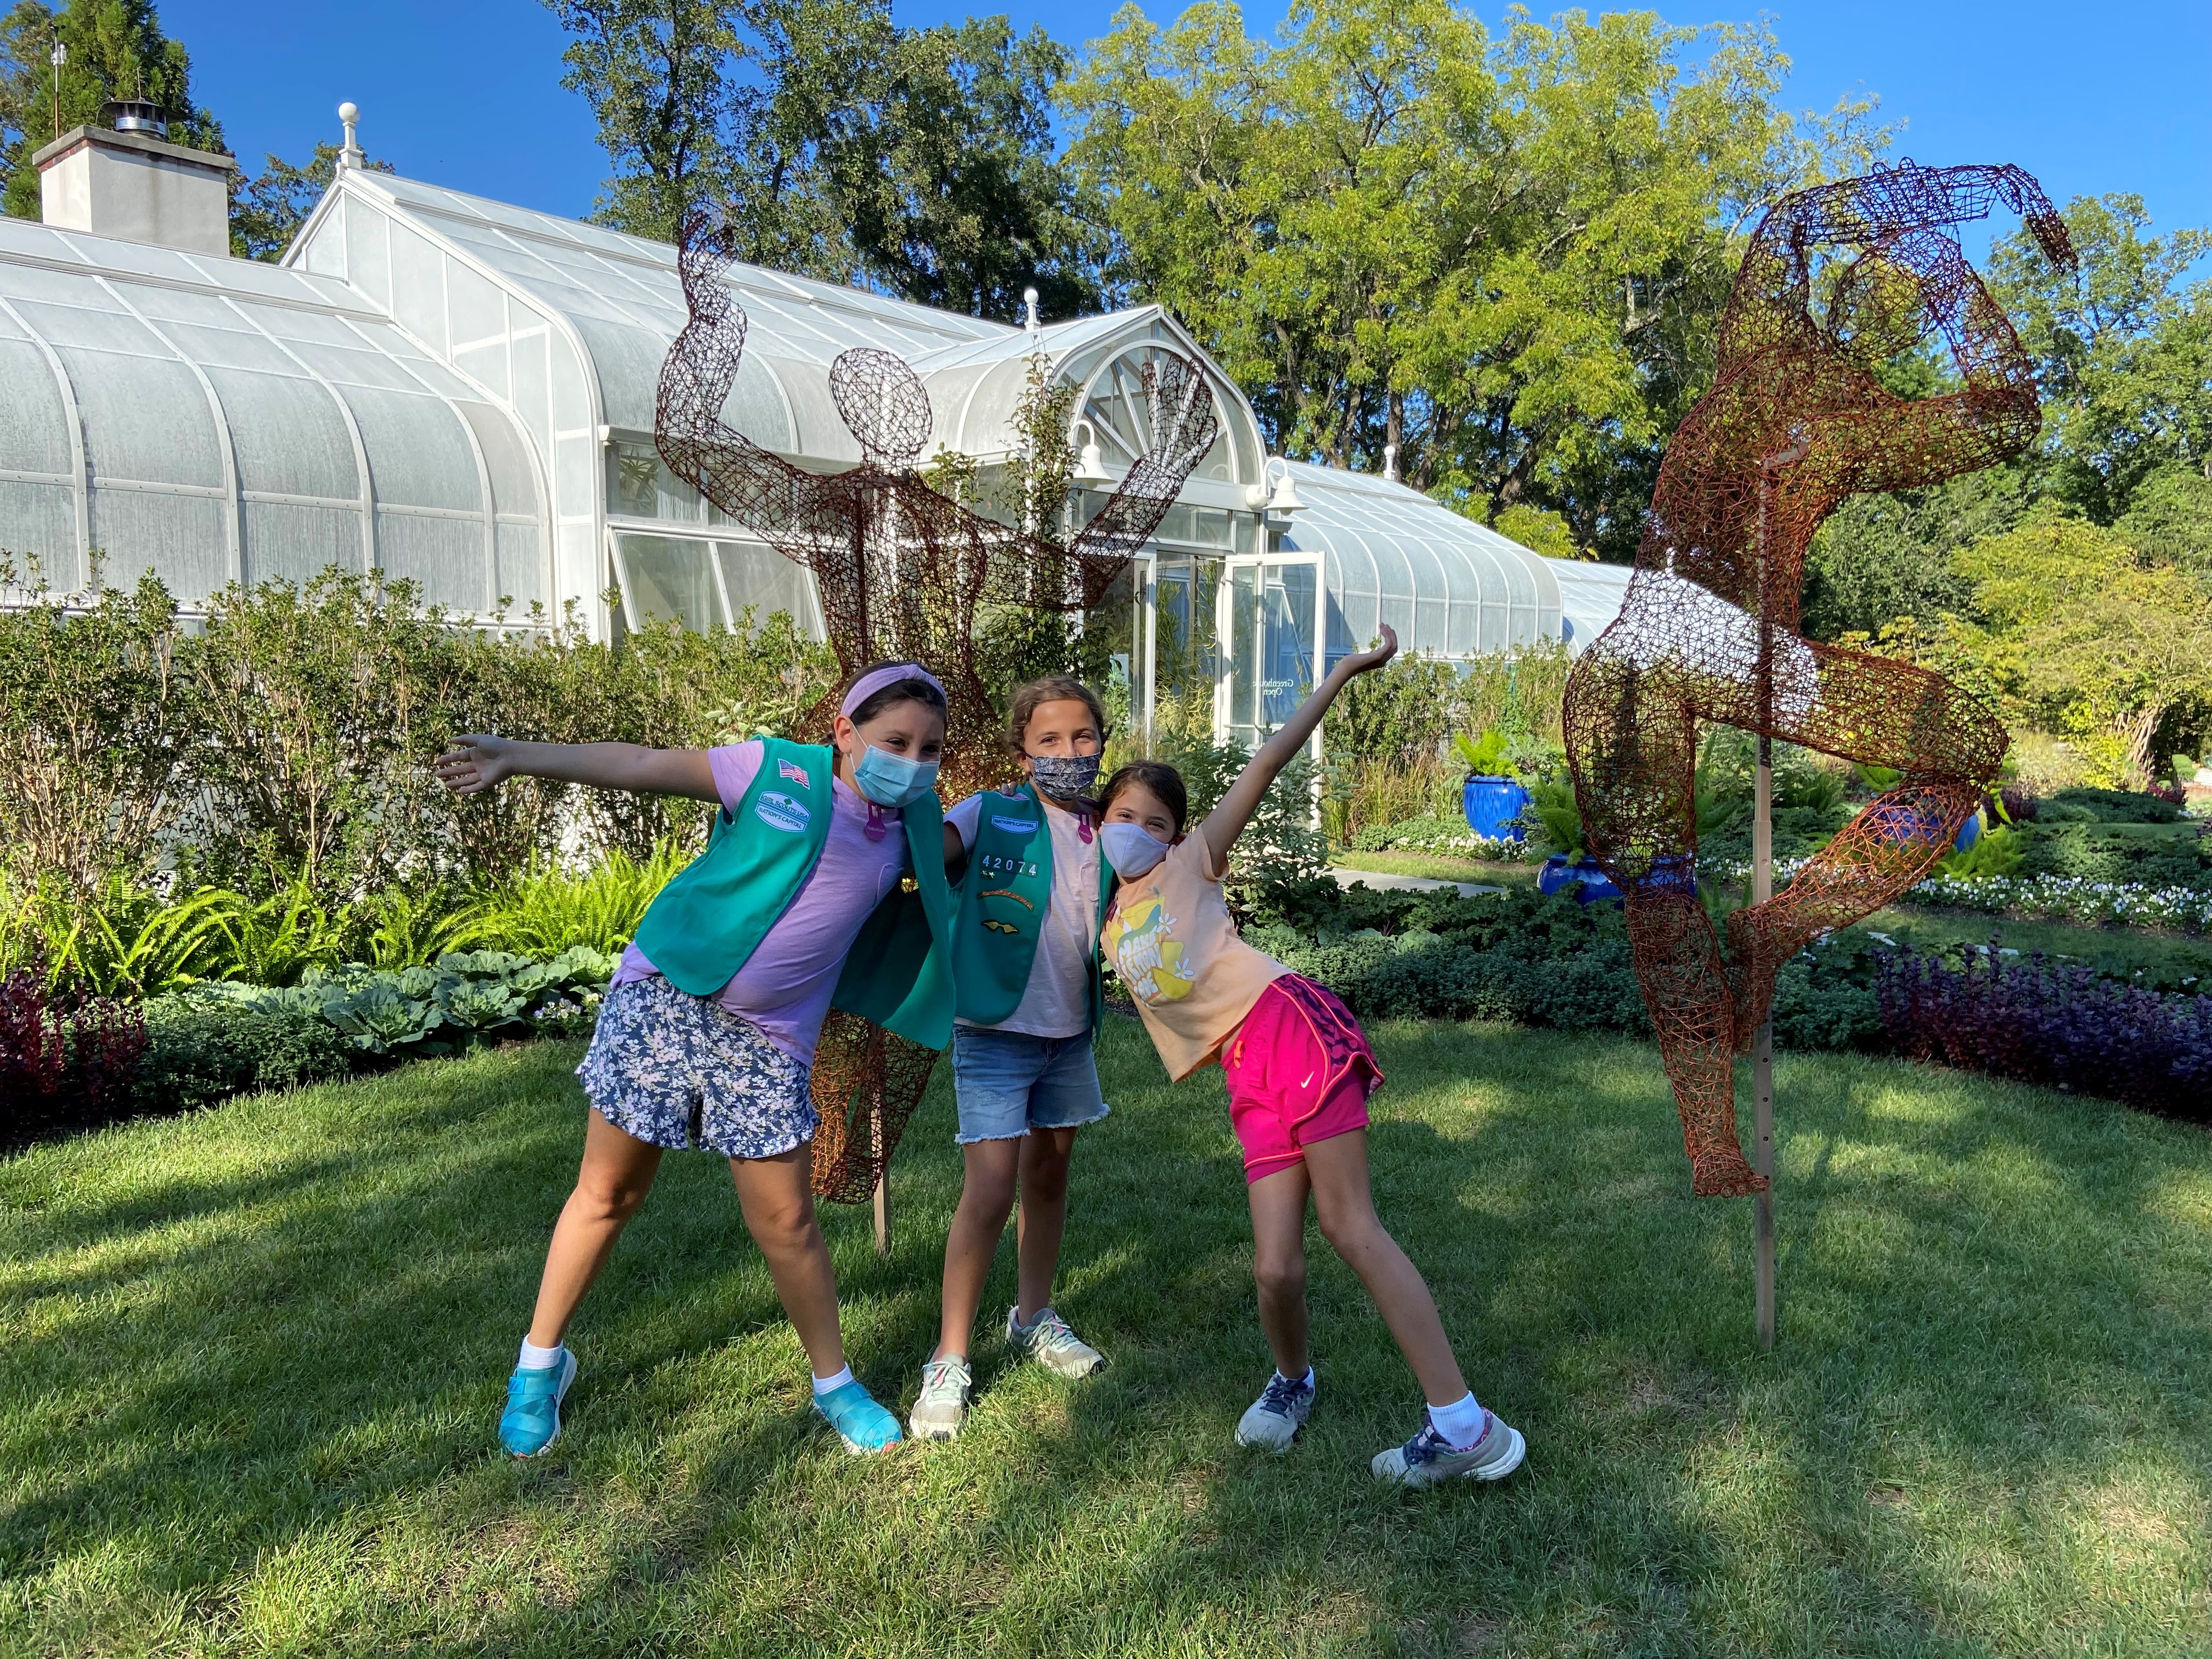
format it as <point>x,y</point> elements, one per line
<point>1299,1070</point>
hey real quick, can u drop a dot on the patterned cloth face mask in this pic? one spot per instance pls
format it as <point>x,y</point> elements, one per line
<point>1064,777</point>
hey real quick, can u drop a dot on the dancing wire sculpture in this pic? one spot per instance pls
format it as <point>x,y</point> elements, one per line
<point>903,572</point>
<point>1840,281</point>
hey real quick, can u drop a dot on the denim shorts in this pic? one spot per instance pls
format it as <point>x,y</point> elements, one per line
<point>1008,1083</point>
<point>677,1071</point>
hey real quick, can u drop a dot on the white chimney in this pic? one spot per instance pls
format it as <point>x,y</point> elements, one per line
<point>136,188</point>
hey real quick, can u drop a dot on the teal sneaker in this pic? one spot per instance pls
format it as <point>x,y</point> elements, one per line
<point>532,1418</point>
<point>862,1423</point>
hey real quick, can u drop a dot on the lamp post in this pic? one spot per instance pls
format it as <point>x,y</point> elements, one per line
<point>58,57</point>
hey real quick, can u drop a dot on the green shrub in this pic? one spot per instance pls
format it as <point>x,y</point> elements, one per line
<point>200,1049</point>
<point>2148,852</point>
<point>2113,806</point>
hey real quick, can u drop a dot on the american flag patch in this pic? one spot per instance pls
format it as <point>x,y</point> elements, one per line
<point>796,773</point>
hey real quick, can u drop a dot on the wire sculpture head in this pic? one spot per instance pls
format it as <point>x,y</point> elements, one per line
<point>883,405</point>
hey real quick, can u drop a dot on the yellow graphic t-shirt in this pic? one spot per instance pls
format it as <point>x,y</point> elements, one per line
<point>1171,941</point>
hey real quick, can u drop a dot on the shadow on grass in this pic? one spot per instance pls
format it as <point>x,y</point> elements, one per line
<point>253,1360</point>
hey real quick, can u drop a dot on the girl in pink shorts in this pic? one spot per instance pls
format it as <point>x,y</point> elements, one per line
<point>1299,1071</point>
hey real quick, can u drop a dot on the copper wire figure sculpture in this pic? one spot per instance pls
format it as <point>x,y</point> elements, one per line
<point>903,572</point>
<point>1840,281</point>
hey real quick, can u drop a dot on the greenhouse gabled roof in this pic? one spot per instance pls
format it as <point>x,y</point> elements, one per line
<point>620,296</point>
<point>210,419</point>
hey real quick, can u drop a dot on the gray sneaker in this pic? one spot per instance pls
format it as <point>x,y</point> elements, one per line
<point>1273,1420</point>
<point>1429,1458</point>
<point>942,1405</point>
<point>1053,1345</point>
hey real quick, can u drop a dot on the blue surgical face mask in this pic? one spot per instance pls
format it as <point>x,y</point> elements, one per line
<point>892,780</point>
<point>1131,848</point>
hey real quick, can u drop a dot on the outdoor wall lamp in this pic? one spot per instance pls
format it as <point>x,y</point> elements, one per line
<point>1283,498</point>
<point>1090,467</point>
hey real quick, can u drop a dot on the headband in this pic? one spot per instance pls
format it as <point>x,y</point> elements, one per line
<point>877,679</point>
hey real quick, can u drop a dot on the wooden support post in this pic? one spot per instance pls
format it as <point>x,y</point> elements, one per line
<point>1762,1054</point>
<point>882,1181</point>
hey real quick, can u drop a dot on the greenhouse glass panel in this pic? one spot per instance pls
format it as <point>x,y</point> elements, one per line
<point>665,579</point>
<point>1244,655</point>
<point>519,572</point>
<point>231,348</point>
<point>1287,644</point>
<point>762,578</point>
<point>38,532</point>
<point>418,454</point>
<point>292,543</point>
<point>288,436</point>
<point>96,331</point>
<point>33,424</point>
<point>182,540</point>
<point>144,419</point>
<point>444,556</point>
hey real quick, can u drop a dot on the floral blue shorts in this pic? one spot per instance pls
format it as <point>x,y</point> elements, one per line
<point>679,1071</point>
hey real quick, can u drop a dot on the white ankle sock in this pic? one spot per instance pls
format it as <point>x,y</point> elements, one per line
<point>535,1359</point>
<point>830,1384</point>
<point>1306,1380</point>
<point>1461,1422</point>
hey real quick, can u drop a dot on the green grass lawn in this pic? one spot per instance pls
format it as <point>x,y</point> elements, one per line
<point>250,1363</point>
<point>1391,863</point>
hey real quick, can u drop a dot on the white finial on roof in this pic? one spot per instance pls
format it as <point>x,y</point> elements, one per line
<point>1390,462</point>
<point>351,156</point>
<point>1030,300</point>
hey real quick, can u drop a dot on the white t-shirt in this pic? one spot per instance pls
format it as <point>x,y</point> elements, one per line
<point>1057,1002</point>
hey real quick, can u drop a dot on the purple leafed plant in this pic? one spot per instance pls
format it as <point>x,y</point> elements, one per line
<point>2041,1023</point>
<point>63,1065</point>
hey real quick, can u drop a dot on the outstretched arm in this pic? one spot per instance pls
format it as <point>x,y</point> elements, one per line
<point>1227,820</point>
<point>478,761</point>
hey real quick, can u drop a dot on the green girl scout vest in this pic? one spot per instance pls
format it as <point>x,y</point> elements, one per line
<point>1003,899</point>
<point>705,923</point>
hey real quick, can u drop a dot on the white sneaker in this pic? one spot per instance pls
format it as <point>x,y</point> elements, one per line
<point>1273,1420</point>
<point>1428,1457</point>
<point>942,1406</point>
<point>1053,1345</point>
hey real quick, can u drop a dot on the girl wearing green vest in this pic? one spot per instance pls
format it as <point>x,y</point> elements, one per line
<point>1025,958</point>
<point>707,1036</point>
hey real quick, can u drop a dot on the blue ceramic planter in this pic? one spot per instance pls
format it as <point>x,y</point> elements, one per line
<point>1493,807</point>
<point>1590,884</point>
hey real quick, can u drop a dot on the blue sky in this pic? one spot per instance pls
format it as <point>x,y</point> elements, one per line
<point>2089,98</point>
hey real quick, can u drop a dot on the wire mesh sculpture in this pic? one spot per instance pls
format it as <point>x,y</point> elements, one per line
<point>1840,282</point>
<point>903,572</point>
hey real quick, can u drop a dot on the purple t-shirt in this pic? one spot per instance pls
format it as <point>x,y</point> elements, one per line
<point>786,986</point>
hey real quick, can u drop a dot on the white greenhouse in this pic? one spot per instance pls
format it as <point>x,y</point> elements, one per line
<point>461,392</point>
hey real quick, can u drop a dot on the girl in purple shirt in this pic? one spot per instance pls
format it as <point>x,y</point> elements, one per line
<point>727,1072</point>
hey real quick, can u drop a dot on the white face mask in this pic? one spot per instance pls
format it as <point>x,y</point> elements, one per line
<point>1131,848</point>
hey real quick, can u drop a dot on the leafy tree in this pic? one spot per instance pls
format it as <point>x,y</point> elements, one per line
<point>949,180</point>
<point>2125,353</point>
<point>115,49</point>
<point>2092,639</point>
<point>266,214</point>
<point>841,146</point>
<point>1504,255</point>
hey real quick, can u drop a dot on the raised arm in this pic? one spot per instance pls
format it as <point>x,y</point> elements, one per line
<point>478,761</point>
<point>792,509</point>
<point>1227,820</point>
<point>1184,423</point>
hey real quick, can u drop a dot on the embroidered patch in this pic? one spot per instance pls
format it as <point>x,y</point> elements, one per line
<point>1015,826</point>
<point>796,773</point>
<point>1005,892</point>
<point>780,812</point>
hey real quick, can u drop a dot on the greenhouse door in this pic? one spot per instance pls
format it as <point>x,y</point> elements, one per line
<point>1270,616</point>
